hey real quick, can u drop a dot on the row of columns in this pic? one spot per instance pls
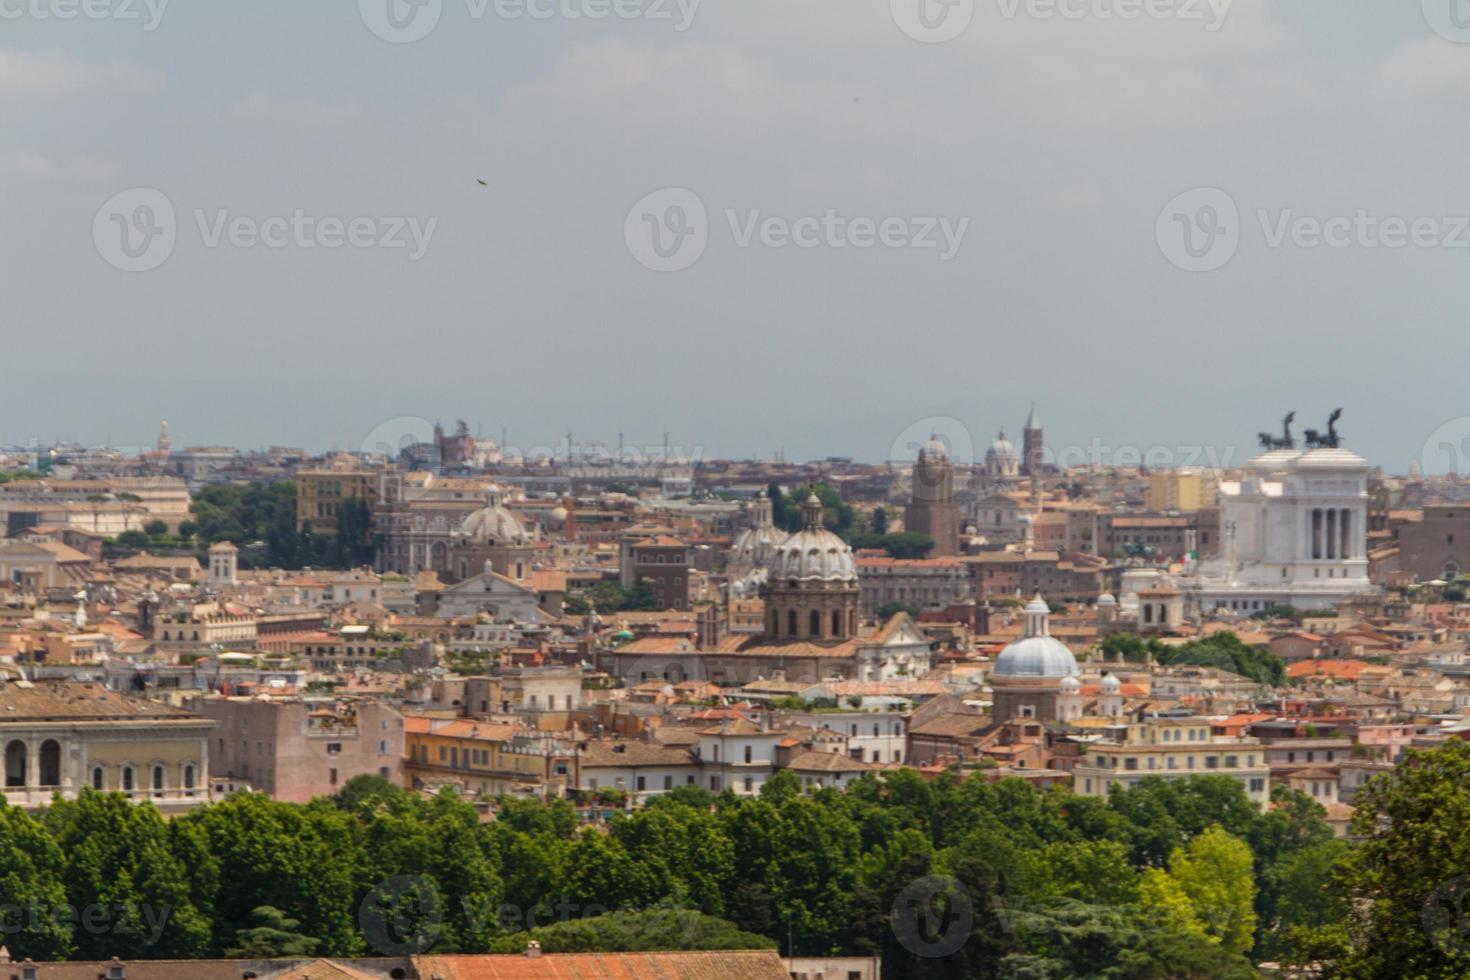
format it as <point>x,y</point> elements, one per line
<point>1331,533</point>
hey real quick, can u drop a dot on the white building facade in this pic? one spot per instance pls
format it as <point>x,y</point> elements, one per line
<point>1294,531</point>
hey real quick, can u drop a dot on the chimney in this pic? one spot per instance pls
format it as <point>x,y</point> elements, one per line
<point>533,949</point>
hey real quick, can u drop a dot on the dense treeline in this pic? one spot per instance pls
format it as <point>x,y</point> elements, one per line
<point>260,518</point>
<point>1223,650</point>
<point>1167,879</point>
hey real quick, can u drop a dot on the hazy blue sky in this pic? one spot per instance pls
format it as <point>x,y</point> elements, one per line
<point>1060,140</point>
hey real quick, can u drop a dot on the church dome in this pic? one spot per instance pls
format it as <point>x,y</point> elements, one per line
<point>1001,448</point>
<point>1106,599</point>
<point>754,546</point>
<point>935,449</point>
<point>1071,685</point>
<point>813,554</point>
<point>1038,653</point>
<point>493,524</point>
<point>1111,684</point>
<point>1001,459</point>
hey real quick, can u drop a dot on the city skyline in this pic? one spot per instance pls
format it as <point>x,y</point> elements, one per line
<point>1448,443</point>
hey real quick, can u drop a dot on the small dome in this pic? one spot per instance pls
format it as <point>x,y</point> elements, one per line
<point>1106,599</point>
<point>935,448</point>
<point>492,524</point>
<point>1038,654</point>
<point>1071,685</point>
<point>754,546</point>
<point>1111,684</point>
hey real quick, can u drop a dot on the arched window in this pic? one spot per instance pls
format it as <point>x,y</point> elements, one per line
<point>188,777</point>
<point>1148,613</point>
<point>99,777</point>
<point>158,779</point>
<point>791,623</point>
<point>50,762</point>
<point>815,623</point>
<point>837,622</point>
<point>15,763</point>
<point>127,779</point>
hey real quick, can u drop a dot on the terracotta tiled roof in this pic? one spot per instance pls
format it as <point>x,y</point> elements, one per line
<point>77,702</point>
<point>604,754</point>
<point>724,965</point>
<point>826,762</point>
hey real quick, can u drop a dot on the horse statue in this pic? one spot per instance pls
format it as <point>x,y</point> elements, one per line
<point>1316,440</point>
<point>1269,441</point>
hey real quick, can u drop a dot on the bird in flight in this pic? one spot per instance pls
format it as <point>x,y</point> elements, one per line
<point>481,182</point>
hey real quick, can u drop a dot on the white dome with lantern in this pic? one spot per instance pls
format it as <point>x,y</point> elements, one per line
<point>754,546</point>
<point>1038,653</point>
<point>813,553</point>
<point>493,524</point>
<point>1001,459</point>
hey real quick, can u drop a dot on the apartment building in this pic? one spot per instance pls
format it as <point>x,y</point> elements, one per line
<point>299,749</point>
<point>1121,755</point>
